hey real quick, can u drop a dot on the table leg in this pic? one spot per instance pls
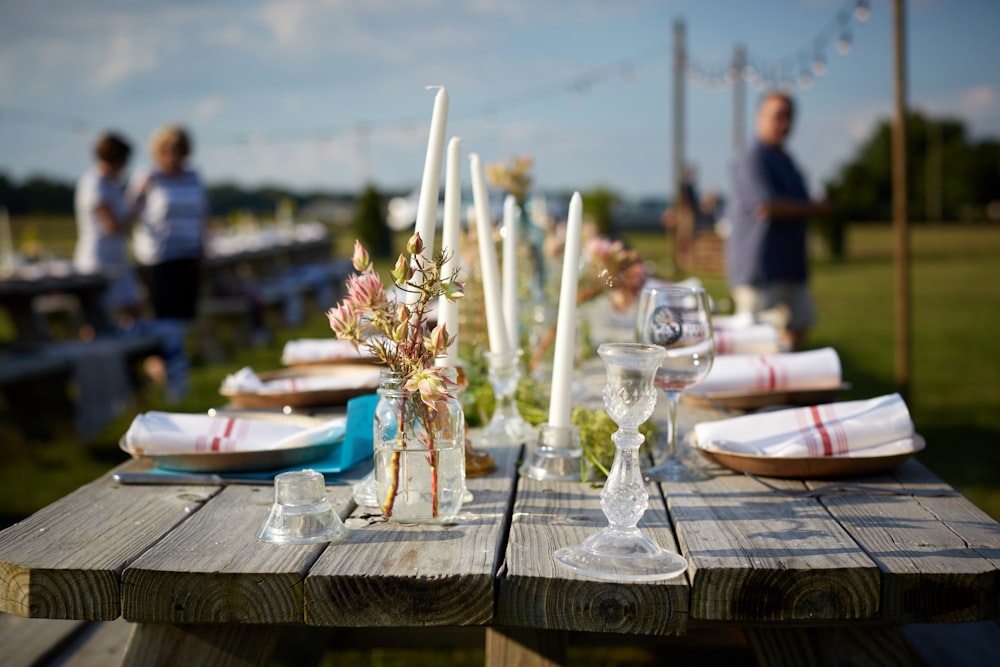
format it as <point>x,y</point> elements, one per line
<point>155,644</point>
<point>874,645</point>
<point>525,647</point>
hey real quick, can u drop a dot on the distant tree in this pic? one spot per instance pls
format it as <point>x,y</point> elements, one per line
<point>598,204</point>
<point>946,174</point>
<point>370,224</point>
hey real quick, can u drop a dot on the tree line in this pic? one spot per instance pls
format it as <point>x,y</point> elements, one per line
<point>949,177</point>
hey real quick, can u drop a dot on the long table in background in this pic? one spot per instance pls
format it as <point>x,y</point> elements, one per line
<point>823,580</point>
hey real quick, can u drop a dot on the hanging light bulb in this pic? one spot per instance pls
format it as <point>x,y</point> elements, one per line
<point>805,79</point>
<point>749,73</point>
<point>844,43</point>
<point>862,11</point>
<point>819,64</point>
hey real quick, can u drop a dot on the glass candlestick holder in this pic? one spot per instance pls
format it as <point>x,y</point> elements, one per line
<point>557,455</point>
<point>620,551</point>
<point>506,426</point>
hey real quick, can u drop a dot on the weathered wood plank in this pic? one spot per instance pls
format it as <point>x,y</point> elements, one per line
<point>28,641</point>
<point>939,556</point>
<point>201,645</point>
<point>104,645</point>
<point>534,591</point>
<point>387,574</point>
<point>72,574</point>
<point>525,647</point>
<point>213,569</point>
<point>756,556</point>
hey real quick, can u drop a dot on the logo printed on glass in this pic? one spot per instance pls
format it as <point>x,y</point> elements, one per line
<point>668,328</point>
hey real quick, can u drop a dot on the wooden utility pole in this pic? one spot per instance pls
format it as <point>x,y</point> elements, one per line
<point>680,65</point>
<point>739,99</point>
<point>899,213</point>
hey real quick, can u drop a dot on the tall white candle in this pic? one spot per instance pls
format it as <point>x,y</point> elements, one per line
<point>448,310</point>
<point>488,259</point>
<point>562,369</point>
<point>430,185</point>
<point>511,314</point>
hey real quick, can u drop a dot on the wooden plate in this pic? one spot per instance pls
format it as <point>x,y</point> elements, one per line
<point>367,383</point>
<point>755,400</point>
<point>809,467</point>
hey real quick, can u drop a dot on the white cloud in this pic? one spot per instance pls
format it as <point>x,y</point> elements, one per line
<point>125,57</point>
<point>209,107</point>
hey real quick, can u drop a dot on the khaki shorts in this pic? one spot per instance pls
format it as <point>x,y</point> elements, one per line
<point>784,305</point>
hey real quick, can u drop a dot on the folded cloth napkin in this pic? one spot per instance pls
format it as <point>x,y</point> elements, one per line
<point>815,369</point>
<point>752,339</point>
<point>246,381</point>
<point>315,350</point>
<point>874,427</point>
<point>171,432</point>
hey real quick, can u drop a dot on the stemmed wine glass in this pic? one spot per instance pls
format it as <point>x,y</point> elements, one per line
<point>678,319</point>
<point>620,551</point>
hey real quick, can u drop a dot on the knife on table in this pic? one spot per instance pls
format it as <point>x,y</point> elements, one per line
<point>197,478</point>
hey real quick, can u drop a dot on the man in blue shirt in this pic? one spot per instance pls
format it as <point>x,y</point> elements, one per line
<point>768,211</point>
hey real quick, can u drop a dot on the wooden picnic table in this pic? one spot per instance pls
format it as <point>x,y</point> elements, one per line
<point>19,294</point>
<point>808,580</point>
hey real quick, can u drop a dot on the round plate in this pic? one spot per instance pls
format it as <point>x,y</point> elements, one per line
<point>760,399</point>
<point>246,461</point>
<point>264,459</point>
<point>809,467</point>
<point>302,399</point>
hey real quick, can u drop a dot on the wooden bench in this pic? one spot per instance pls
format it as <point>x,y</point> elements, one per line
<point>42,642</point>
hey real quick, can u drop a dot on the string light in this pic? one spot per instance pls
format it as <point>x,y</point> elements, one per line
<point>802,68</point>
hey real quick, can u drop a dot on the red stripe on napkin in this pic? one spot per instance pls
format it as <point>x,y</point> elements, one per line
<point>821,428</point>
<point>217,440</point>
<point>772,380</point>
<point>721,343</point>
<point>836,428</point>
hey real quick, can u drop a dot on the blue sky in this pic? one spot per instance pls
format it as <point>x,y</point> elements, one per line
<point>330,94</point>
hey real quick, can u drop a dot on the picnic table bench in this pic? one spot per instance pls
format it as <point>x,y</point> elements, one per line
<point>828,580</point>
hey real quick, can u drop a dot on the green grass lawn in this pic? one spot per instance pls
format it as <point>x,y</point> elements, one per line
<point>954,397</point>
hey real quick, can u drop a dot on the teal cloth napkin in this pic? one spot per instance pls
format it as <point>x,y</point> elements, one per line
<point>356,446</point>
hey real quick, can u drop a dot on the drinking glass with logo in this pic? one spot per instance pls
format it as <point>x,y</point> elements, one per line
<point>678,319</point>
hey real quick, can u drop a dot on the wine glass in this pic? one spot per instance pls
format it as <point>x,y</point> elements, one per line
<point>620,551</point>
<point>678,319</point>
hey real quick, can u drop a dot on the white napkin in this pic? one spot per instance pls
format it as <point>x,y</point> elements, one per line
<point>873,427</point>
<point>752,339</point>
<point>313,350</point>
<point>246,381</point>
<point>175,433</point>
<point>815,369</point>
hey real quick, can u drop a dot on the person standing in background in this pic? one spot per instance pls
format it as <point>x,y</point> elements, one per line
<point>769,211</point>
<point>103,222</point>
<point>169,242</point>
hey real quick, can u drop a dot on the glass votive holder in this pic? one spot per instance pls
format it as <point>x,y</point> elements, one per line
<point>557,456</point>
<point>301,513</point>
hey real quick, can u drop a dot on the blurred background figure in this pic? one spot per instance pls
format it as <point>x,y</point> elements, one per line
<point>103,222</point>
<point>769,210</point>
<point>682,218</point>
<point>169,242</point>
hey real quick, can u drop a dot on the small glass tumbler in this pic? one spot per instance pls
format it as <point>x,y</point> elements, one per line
<point>301,513</point>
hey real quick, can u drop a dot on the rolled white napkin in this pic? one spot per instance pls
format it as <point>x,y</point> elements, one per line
<point>788,371</point>
<point>752,339</point>
<point>246,381</point>
<point>176,433</point>
<point>316,350</point>
<point>873,427</point>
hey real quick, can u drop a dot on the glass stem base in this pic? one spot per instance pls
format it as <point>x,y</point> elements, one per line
<point>618,554</point>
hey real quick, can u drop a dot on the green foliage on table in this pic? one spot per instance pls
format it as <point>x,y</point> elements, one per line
<point>594,424</point>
